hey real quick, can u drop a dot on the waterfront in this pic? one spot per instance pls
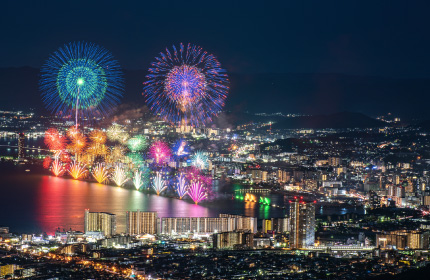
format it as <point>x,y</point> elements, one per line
<point>32,202</point>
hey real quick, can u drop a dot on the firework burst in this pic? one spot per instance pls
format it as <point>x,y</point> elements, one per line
<point>186,85</point>
<point>119,176</point>
<point>181,149</point>
<point>47,162</point>
<point>135,158</point>
<point>54,140</point>
<point>100,173</point>
<point>98,137</point>
<point>81,76</point>
<point>200,160</point>
<point>137,143</point>
<point>181,185</point>
<point>117,153</point>
<point>158,183</point>
<point>114,132</point>
<point>78,170</point>
<point>160,152</point>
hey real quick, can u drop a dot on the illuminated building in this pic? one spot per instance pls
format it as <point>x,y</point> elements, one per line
<point>21,142</point>
<point>8,269</point>
<point>283,176</point>
<point>141,222</point>
<point>334,161</point>
<point>100,221</point>
<point>242,222</point>
<point>302,222</point>
<point>267,226</point>
<point>224,240</point>
<point>204,225</point>
<point>402,239</point>
<point>280,224</point>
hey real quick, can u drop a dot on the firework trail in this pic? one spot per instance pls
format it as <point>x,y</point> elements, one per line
<point>82,77</point>
<point>197,191</point>
<point>77,170</point>
<point>160,152</point>
<point>119,176</point>
<point>100,173</point>
<point>138,179</point>
<point>158,183</point>
<point>57,167</point>
<point>186,85</point>
<point>181,185</point>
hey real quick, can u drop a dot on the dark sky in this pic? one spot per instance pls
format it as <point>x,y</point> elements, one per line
<point>379,38</point>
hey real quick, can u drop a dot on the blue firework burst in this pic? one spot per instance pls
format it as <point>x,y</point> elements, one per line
<point>82,77</point>
<point>186,85</point>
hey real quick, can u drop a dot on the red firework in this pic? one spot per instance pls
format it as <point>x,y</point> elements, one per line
<point>54,140</point>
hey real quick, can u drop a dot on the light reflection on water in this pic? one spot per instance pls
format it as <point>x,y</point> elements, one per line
<point>37,203</point>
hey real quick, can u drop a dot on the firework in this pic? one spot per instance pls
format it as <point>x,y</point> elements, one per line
<point>197,191</point>
<point>146,176</point>
<point>181,185</point>
<point>119,176</point>
<point>100,173</point>
<point>54,140</point>
<point>98,137</point>
<point>200,160</point>
<point>158,183</point>
<point>78,170</point>
<point>159,152</point>
<point>116,132</point>
<point>96,149</point>
<point>57,167</point>
<point>137,143</point>
<point>47,162</point>
<point>181,149</point>
<point>81,76</point>
<point>117,153</point>
<point>135,158</point>
<point>72,132</point>
<point>78,141</point>
<point>137,179</point>
<point>186,85</point>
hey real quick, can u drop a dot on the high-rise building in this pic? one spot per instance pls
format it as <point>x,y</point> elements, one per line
<point>302,223</point>
<point>141,222</point>
<point>100,221</point>
<point>280,224</point>
<point>21,142</point>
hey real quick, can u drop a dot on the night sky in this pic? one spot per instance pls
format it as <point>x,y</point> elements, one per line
<point>388,39</point>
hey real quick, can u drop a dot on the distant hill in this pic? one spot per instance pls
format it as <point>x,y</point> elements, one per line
<point>338,120</point>
<point>308,94</point>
